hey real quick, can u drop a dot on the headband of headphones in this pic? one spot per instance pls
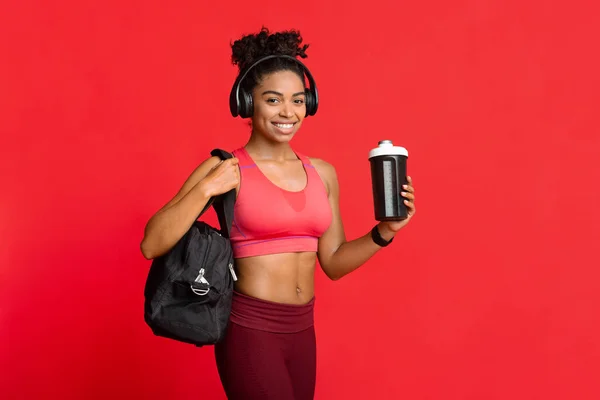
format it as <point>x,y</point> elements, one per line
<point>240,103</point>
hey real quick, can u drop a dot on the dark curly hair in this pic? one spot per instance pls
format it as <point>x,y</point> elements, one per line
<point>250,48</point>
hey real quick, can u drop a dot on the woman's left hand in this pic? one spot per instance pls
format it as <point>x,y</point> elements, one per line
<point>408,192</point>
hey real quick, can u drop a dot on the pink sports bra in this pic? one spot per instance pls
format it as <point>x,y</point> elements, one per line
<point>268,219</point>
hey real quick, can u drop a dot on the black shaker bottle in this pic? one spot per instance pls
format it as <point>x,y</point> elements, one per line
<point>388,174</point>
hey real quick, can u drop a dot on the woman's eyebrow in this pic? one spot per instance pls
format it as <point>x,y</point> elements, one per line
<point>280,94</point>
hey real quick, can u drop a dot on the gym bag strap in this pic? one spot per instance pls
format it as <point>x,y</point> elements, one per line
<point>188,291</point>
<point>224,203</point>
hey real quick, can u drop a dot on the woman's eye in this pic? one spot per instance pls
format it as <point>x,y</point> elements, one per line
<point>272,100</point>
<point>299,101</point>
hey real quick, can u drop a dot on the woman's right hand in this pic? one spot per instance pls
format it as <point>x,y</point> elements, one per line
<point>221,178</point>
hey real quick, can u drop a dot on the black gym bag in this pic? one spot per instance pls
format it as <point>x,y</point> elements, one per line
<point>189,289</point>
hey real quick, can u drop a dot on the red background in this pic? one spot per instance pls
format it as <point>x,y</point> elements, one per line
<point>492,291</point>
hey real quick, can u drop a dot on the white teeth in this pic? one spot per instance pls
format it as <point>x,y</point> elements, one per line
<point>284,126</point>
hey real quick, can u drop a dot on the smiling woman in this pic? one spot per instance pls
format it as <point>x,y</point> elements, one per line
<point>286,215</point>
<point>281,106</point>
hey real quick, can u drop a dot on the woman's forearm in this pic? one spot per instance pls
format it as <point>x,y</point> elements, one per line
<point>354,253</point>
<point>168,226</point>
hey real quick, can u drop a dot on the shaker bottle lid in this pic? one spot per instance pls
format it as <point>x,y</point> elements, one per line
<point>386,148</point>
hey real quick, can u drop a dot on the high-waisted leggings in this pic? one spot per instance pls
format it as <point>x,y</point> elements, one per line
<point>269,351</point>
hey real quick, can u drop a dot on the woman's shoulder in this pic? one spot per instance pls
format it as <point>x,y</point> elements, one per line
<point>326,171</point>
<point>322,165</point>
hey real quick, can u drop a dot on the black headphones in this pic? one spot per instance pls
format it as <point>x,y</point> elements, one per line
<point>240,102</point>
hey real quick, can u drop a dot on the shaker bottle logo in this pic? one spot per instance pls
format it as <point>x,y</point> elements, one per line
<point>388,174</point>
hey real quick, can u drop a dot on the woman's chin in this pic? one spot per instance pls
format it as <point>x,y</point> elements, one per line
<point>283,138</point>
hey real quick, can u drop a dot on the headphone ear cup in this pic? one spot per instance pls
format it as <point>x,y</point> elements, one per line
<point>246,106</point>
<point>309,99</point>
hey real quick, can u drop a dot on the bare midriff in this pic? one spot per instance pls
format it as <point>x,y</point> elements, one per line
<point>282,278</point>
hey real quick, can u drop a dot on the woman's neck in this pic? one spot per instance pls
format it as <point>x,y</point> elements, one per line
<point>264,149</point>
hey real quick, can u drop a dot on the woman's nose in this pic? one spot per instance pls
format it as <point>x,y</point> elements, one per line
<point>287,110</point>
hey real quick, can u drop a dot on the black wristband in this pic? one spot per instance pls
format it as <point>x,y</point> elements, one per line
<point>378,239</point>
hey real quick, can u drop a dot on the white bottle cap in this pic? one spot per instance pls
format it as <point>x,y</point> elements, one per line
<point>386,148</point>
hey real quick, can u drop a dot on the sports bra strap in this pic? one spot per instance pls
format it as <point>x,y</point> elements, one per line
<point>243,157</point>
<point>305,160</point>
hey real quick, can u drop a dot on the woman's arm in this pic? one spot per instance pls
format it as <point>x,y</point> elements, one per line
<point>170,223</point>
<point>337,256</point>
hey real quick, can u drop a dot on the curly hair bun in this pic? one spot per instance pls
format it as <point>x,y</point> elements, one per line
<point>250,48</point>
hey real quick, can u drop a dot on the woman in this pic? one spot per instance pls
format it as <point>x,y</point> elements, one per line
<point>286,216</point>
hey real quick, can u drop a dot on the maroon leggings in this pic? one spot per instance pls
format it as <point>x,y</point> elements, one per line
<point>269,351</point>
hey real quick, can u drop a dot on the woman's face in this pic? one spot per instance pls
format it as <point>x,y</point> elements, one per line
<point>279,106</point>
